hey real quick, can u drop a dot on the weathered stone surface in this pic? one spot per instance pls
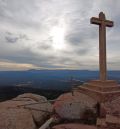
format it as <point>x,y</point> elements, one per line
<point>34,97</point>
<point>101,122</point>
<point>16,119</point>
<point>74,126</point>
<point>24,112</point>
<point>113,119</point>
<point>73,107</point>
<point>110,122</point>
<point>39,111</point>
<point>112,107</point>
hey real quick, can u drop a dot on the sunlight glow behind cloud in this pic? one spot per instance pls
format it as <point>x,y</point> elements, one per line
<point>58,36</point>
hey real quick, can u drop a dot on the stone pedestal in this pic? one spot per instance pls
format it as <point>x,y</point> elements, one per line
<point>102,91</point>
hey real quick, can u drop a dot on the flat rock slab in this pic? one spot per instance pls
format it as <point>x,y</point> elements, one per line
<point>74,126</point>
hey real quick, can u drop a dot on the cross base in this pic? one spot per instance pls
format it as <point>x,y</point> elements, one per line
<point>101,91</point>
<point>103,83</point>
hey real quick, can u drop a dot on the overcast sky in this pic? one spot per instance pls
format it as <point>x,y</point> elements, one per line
<point>56,34</point>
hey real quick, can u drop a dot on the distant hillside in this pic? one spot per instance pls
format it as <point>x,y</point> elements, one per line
<point>9,92</point>
<point>50,79</point>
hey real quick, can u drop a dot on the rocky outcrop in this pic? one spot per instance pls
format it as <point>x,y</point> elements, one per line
<point>26,111</point>
<point>70,106</point>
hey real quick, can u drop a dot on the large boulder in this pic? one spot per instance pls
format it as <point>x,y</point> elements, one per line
<point>69,106</point>
<point>25,111</point>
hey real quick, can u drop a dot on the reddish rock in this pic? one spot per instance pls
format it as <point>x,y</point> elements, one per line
<point>113,119</point>
<point>112,107</point>
<point>24,111</point>
<point>74,126</point>
<point>70,106</point>
<point>16,119</point>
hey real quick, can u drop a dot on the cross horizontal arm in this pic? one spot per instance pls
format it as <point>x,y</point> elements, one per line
<point>109,23</point>
<point>98,21</point>
<point>95,20</point>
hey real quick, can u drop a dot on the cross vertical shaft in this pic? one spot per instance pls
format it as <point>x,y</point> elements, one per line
<point>102,52</point>
<point>103,23</point>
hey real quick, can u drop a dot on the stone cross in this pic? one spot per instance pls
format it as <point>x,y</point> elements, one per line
<point>103,23</point>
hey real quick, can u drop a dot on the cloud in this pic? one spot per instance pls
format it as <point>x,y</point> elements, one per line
<point>6,65</point>
<point>26,37</point>
<point>13,38</point>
